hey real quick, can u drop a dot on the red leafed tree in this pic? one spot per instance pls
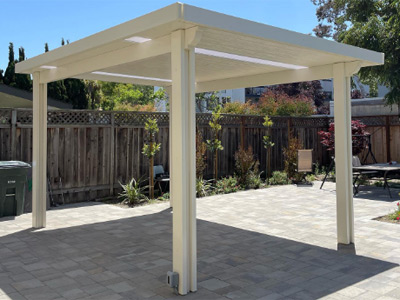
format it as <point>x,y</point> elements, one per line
<point>358,132</point>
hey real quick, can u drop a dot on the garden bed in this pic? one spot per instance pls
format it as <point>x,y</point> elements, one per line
<point>386,219</point>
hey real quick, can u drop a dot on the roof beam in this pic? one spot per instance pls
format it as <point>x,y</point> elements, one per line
<point>125,55</point>
<point>287,76</point>
<point>108,78</point>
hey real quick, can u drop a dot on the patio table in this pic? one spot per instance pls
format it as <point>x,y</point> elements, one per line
<point>384,168</point>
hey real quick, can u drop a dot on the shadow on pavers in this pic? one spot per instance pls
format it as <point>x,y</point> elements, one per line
<point>130,257</point>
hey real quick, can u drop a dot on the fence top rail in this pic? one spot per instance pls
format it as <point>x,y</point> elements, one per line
<point>130,118</point>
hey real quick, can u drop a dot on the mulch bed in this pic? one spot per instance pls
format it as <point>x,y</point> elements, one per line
<point>386,219</point>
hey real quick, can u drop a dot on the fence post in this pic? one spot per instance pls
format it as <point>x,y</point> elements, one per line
<point>289,130</point>
<point>112,153</point>
<point>13,134</point>
<point>387,126</point>
<point>242,131</point>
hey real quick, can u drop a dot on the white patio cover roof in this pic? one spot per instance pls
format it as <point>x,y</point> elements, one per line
<point>190,50</point>
<point>230,52</point>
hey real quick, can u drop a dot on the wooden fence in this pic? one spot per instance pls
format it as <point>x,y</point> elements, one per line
<point>90,152</point>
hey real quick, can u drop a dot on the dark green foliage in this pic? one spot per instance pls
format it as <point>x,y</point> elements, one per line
<point>23,81</point>
<point>76,93</point>
<point>20,81</point>
<point>1,75</point>
<point>9,75</point>
<point>227,185</point>
<point>56,89</point>
<point>93,93</point>
<point>278,178</point>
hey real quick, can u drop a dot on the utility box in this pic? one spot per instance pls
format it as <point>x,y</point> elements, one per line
<point>13,179</point>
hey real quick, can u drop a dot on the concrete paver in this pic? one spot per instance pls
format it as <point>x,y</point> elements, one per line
<point>275,243</point>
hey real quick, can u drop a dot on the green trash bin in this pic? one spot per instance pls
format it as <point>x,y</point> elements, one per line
<point>13,178</point>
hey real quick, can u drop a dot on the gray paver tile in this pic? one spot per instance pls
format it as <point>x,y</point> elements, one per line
<point>277,243</point>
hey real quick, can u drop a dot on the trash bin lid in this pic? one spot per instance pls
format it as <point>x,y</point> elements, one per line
<point>13,165</point>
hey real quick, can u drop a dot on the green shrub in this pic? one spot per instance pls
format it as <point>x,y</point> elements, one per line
<point>278,178</point>
<point>203,187</point>
<point>280,104</point>
<point>255,180</point>
<point>238,108</point>
<point>132,193</point>
<point>311,178</point>
<point>227,185</point>
<point>319,170</point>
<point>164,197</point>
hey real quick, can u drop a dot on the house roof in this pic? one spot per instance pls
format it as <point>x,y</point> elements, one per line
<point>11,97</point>
<point>226,47</point>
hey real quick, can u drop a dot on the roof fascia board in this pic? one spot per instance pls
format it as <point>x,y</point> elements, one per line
<point>159,17</point>
<point>229,23</point>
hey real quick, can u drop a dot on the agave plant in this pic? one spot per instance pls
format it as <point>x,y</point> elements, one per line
<point>132,193</point>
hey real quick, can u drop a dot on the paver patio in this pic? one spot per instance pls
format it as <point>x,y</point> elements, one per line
<point>276,243</point>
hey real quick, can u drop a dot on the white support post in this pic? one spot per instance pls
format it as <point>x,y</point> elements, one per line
<point>183,160</point>
<point>343,155</point>
<point>39,176</point>
<point>168,90</point>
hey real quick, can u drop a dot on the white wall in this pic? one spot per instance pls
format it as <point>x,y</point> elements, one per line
<point>236,95</point>
<point>369,107</point>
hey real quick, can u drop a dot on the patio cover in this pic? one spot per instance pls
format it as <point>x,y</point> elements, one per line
<point>187,50</point>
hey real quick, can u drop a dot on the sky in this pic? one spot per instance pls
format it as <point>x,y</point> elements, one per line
<point>32,23</point>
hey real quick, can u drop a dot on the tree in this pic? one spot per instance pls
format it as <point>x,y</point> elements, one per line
<point>206,101</point>
<point>93,93</point>
<point>120,94</point>
<point>76,93</point>
<point>150,149</point>
<point>290,154</point>
<point>215,145</point>
<point>1,75</point>
<point>309,89</point>
<point>201,149</point>
<point>9,75</point>
<point>358,137</point>
<point>268,144</point>
<point>56,89</point>
<point>69,90</point>
<point>23,81</point>
<point>278,103</point>
<point>371,24</point>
